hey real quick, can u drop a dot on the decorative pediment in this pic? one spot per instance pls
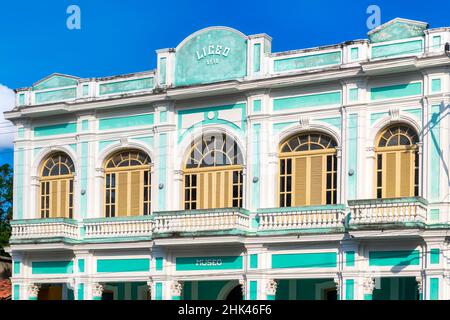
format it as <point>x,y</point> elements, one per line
<point>55,81</point>
<point>397,29</point>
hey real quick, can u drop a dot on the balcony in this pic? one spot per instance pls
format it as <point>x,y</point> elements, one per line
<point>194,221</point>
<point>402,211</point>
<point>34,229</point>
<point>118,227</point>
<point>309,217</point>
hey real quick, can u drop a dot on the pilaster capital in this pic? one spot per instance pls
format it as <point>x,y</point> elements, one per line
<point>176,288</point>
<point>271,287</point>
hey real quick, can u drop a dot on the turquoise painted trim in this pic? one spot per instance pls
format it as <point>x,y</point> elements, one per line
<point>352,180</point>
<point>353,94</point>
<point>126,121</point>
<point>21,99</point>
<point>307,101</point>
<point>104,143</point>
<point>16,267</point>
<point>20,177</point>
<point>277,127</point>
<point>256,57</point>
<point>304,260</point>
<point>335,122</point>
<point>162,171</point>
<point>126,86</point>
<point>84,178</point>
<point>52,267</point>
<point>368,297</point>
<point>434,256</point>
<point>97,298</point>
<point>255,189</point>
<point>81,263</point>
<point>436,85</point>
<point>55,95</point>
<point>416,113</point>
<point>326,207</point>
<point>70,294</point>
<point>395,49</point>
<point>158,291</point>
<point>16,292</point>
<point>56,82</point>
<point>308,61</point>
<point>33,298</point>
<point>437,42</point>
<point>350,258</point>
<point>209,263</point>
<point>254,261</point>
<point>85,90</point>
<point>253,290</point>
<point>162,71</point>
<point>396,91</point>
<point>85,125</point>
<point>73,146</point>
<point>123,265</point>
<point>374,117</point>
<point>434,288</point>
<point>354,54</point>
<point>176,297</point>
<point>398,30</point>
<point>434,215</point>
<point>394,258</point>
<point>349,289</point>
<point>257,107</point>
<point>159,263</point>
<point>148,140</point>
<point>236,125</point>
<point>270,297</point>
<point>62,128</point>
<point>435,153</point>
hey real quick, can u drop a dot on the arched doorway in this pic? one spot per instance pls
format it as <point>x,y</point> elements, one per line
<point>235,294</point>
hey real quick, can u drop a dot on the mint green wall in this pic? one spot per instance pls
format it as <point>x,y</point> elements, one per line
<point>353,94</point>
<point>21,99</point>
<point>62,128</point>
<point>123,265</point>
<point>394,258</point>
<point>305,101</point>
<point>81,265</point>
<point>85,125</point>
<point>16,267</point>
<point>350,258</point>
<point>163,70</point>
<point>308,61</point>
<point>55,82</point>
<point>19,183</point>
<point>237,124</point>
<point>434,288</point>
<point>253,261</point>
<point>434,255</point>
<point>192,66</point>
<point>80,293</point>
<point>162,171</point>
<point>253,294</point>
<point>349,289</point>
<point>126,121</point>
<point>435,85</point>
<point>255,189</point>
<point>16,292</point>
<point>396,31</point>
<point>352,155</point>
<point>256,57</point>
<point>396,49</point>
<point>158,291</point>
<point>55,95</point>
<point>396,91</point>
<point>194,263</point>
<point>51,267</point>
<point>354,53</point>
<point>435,153</point>
<point>85,90</point>
<point>159,263</point>
<point>257,106</point>
<point>126,86</point>
<point>304,260</point>
<point>434,215</point>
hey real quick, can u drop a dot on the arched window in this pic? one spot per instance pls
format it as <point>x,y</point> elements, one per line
<point>56,187</point>
<point>213,174</point>
<point>397,167</point>
<point>128,184</point>
<point>308,170</point>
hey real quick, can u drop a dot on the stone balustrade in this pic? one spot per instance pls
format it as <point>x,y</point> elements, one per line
<point>385,211</point>
<point>44,229</point>
<point>137,226</point>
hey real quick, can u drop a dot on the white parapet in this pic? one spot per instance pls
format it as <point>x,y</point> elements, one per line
<point>44,229</point>
<point>380,211</point>
<point>138,226</point>
<point>301,217</point>
<point>202,220</point>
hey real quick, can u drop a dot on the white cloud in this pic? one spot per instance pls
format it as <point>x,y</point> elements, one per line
<point>7,98</point>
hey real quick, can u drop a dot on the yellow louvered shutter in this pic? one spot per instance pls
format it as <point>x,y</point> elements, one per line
<point>228,189</point>
<point>391,175</point>
<point>201,186</point>
<point>317,183</point>
<point>300,174</point>
<point>406,174</point>
<point>63,198</point>
<point>54,210</point>
<point>135,193</point>
<point>122,194</point>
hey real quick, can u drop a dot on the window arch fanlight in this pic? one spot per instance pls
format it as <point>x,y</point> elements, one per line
<point>56,187</point>
<point>127,190</point>
<point>397,162</point>
<point>212,176</point>
<point>307,170</point>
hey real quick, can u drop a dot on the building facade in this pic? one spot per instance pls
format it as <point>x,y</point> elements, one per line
<point>231,172</point>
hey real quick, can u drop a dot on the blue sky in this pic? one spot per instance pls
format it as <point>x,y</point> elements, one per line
<point>119,36</point>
